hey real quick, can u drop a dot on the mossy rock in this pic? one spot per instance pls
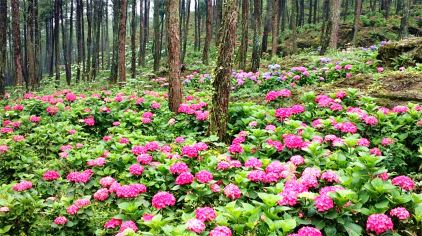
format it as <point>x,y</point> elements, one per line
<point>411,46</point>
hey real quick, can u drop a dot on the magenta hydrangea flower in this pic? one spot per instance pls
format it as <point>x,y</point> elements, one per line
<point>106,182</point>
<point>101,194</point>
<point>130,191</point>
<point>256,175</point>
<point>297,160</point>
<point>292,141</point>
<point>404,182</point>
<point>112,223</point>
<point>205,214</point>
<point>195,226</point>
<point>400,212</point>
<point>128,225</point>
<point>221,231</point>
<point>51,175</point>
<point>330,176</point>
<point>253,163</point>
<point>184,178</point>
<point>232,191</point>
<point>60,220</point>
<point>178,168</point>
<point>309,231</point>
<point>190,151</point>
<point>379,223</point>
<point>204,176</point>
<point>136,169</point>
<point>22,186</point>
<point>144,159</point>
<point>163,199</point>
<point>323,203</point>
<point>72,209</point>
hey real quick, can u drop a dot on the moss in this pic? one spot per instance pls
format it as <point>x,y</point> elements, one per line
<point>411,46</point>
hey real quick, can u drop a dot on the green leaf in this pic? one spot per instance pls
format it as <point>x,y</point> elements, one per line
<point>269,199</point>
<point>286,225</point>
<point>353,229</point>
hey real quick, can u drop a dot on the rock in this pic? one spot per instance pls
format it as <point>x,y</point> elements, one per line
<point>411,46</point>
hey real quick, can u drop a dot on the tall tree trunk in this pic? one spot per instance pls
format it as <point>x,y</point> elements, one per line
<point>219,15</point>
<point>208,33</point>
<point>243,49</point>
<point>274,28</point>
<point>79,39</point>
<point>173,37</point>
<point>316,19</point>
<point>356,23</point>
<point>310,11</point>
<point>157,43</point>
<point>57,4</point>
<point>185,34</point>
<point>30,46</point>
<point>3,44</point>
<point>122,42</point>
<point>404,23</point>
<point>196,36</point>
<point>335,18</point>
<point>88,64</point>
<point>256,47</point>
<point>51,47</point>
<point>267,26</point>
<point>114,60</point>
<point>146,30</point>
<point>133,39</point>
<point>220,99</point>
<point>301,12</point>
<point>17,42</point>
<point>37,45</point>
<point>294,24</point>
<point>141,31</point>
<point>64,47</point>
<point>326,27</point>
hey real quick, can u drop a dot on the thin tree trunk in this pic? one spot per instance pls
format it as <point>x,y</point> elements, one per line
<point>157,44</point>
<point>220,99</point>
<point>267,26</point>
<point>219,15</point>
<point>122,42</point>
<point>326,27</point>
<point>294,30</point>
<point>3,44</point>
<point>64,47</point>
<point>335,18</point>
<point>79,39</point>
<point>57,4</point>
<point>274,29</point>
<point>17,42</point>
<point>141,31</point>
<point>185,34</point>
<point>114,60</point>
<point>404,23</point>
<point>356,23</point>
<point>30,46</point>
<point>88,64</point>
<point>256,48</point>
<point>173,37</point>
<point>146,30</point>
<point>243,49</point>
<point>133,38</point>
<point>208,33</point>
<point>37,45</point>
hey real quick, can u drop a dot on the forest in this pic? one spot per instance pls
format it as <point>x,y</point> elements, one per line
<point>211,117</point>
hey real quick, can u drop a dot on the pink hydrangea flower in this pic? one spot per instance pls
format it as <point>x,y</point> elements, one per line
<point>204,176</point>
<point>101,195</point>
<point>60,220</point>
<point>253,163</point>
<point>232,191</point>
<point>136,169</point>
<point>195,226</point>
<point>309,231</point>
<point>190,151</point>
<point>330,176</point>
<point>51,175</point>
<point>379,223</point>
<point>112,223</point>
<point>163,199</point>
<point>323,203</point>
<point>404,182</point>
<point>178,168</point>
<point>297,160</point>
<point>184,178</point>
<point>400,212</point>
<point>221,231</point>
<point>22,186</point>
<point>128,225</point>
<point>72,209</point>
<point>205,214</point>
<point>106,182</point>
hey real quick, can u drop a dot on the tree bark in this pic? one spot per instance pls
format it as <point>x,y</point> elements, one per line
<point>17,43</point>
<point>157,43</point>
<point>133,39</point>
<point>404,22</point>
<point>243,49</point>
<point>208,33</point>
<point>274,28</point>
<point>256,48</point>
<point>122,42</point>
<point>220,99</point>
<point>356,23</point>
<point>57,4</point>
<point>173,37</point>
<point>32,76</point>
<point>79,39</point>
<point>326,27</point>
<point>185,34</point>
<point>141,31</point>
<point>89,38</point>
<point>3,44</point>
<point>294,28</point>
<point>335,18</point>
<point>64,48</point>
<point>267,26</point>
<point>114,60</point>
